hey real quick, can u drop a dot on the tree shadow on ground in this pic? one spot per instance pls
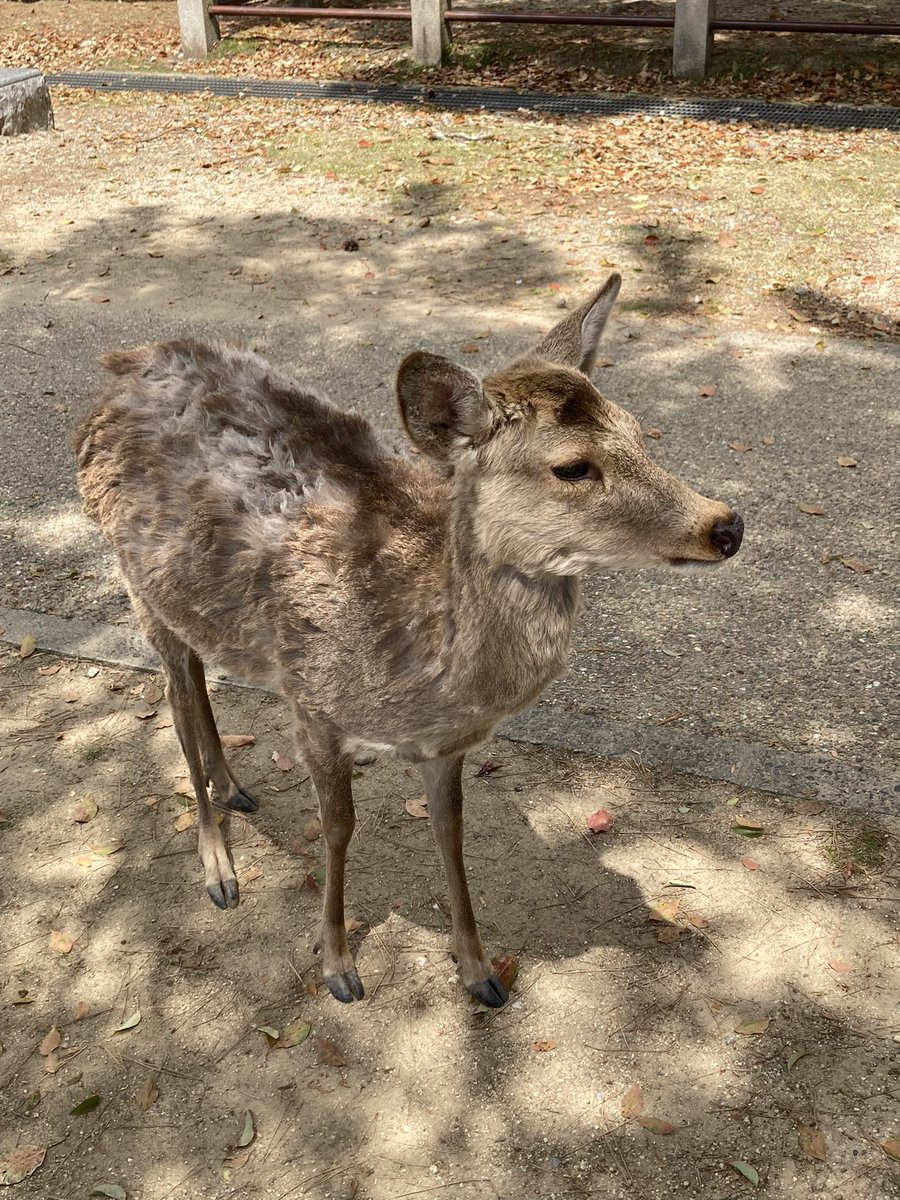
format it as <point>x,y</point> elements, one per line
<point>429,1092</point>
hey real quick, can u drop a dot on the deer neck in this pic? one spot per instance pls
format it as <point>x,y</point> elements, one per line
<point>508,633</point>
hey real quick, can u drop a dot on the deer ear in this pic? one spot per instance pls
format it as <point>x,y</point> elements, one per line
<point>573,342</point>
<point>442,405</point>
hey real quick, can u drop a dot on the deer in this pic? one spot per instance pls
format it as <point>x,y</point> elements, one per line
<point>397,601</point>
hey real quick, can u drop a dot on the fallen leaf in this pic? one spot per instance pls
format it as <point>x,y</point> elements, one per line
<point>50,1042</point>
<point>315,880</point>
<point>28,646</point>
<point>239,1159</point>
<point>656,1125</point>
<point>470,348</point>
<point>750,863</point>
<point>271,1034</point>
<point>293,1035</point>
<point>252,872</point>
<point>768,441</point>
<point>812,1142</point>
<point>52,670</point>
<point>543,1047</point>
<point>853,564</point>
<point>153,693</point>
<point>62,943</point>
<point>248,1130</point>
<point>233,741</point>
<point>329,1054</point>
<point>726,241</point>
<point>747,828</point>
<point>185,820</point>
<point>633,1102</point>
<point>600,821</point>
<point>148,1094</point>
<point>739,447</point>
<point>794,1057</point>
<point>665,911</point>
<point>417,806</point>
<point>809,808</point>
<point>85,811</point>
<point>746,1170</point>
<point>80,1010</point>
<point>891,1147</point>
<point>88,1104</point>
<point>52,1063</point>
<point>129,1022</point>
<point>20,1163</point>
<point>844,461</point>
<point>757,191</point>
<point>146,715</point>
<point>281,761</point>
<point>506,968</point>
<point>109,1189</point>
<point>814,510</point>
<point>753,1028</point>
<point>183,787</point>
<point>668,934</point>
<point>706,390</point>
<point>487,768</point>
<point>656,434</point>
<point>841,968</point>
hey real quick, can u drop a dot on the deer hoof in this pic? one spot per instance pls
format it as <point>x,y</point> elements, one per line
<point>490,992</point>
<point>243,802</point>
<point>224,894</point>
<point>346,987</point>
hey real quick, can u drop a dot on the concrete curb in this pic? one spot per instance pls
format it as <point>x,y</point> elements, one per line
<point>745,764</point>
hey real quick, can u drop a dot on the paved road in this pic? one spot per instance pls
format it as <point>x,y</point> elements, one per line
<point>781,671</point>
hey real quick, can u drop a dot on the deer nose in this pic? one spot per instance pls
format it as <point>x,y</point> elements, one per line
<point>726,536</point>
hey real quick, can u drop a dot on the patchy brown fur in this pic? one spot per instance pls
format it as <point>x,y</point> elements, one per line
<point>392,603</point>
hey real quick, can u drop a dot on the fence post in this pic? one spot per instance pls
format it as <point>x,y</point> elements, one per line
<point>199,31</point>
<point>693,38</point>
<point>430,32</point>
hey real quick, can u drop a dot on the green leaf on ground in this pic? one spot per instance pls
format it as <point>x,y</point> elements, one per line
<point>88,1104</point>
<point>129,1023</point>
<point>795,1055</point>
<point>293,1035</point>
<point>109,1189</point>
<point>746,1170</point>
<point>248,1133</point>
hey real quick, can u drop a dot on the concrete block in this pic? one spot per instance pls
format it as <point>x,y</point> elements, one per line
<point>24,102</point>
<point>199,31</point>
<point>430,32</point>
<point>693,42</point>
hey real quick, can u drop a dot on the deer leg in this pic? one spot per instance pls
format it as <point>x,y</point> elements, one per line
<point>228,791</point>
<point>443,786</point>
<point>183,698</point>
<point>331,770</point>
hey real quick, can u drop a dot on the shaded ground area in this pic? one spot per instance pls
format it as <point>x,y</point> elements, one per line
<point>159,216</point>
<point>672,972</point>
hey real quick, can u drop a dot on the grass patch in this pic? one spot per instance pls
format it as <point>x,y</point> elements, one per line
<point>230,47</point>
<point>93,754</point>
<point>863,849</point>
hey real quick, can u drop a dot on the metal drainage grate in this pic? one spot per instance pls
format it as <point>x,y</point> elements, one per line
<point>826,116</point>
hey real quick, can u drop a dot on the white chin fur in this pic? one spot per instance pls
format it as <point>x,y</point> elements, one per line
<point>690,565</point>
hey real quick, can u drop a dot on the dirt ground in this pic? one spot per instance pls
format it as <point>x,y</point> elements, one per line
<point>688,997</point>
<point>674,971</point>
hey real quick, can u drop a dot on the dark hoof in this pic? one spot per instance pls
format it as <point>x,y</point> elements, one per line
<point>346,987</point>
<point>243,802</point>
<point>224,895</point>
<point>490,992</point>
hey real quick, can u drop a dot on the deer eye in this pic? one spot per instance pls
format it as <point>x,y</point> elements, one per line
<point>576,470</point>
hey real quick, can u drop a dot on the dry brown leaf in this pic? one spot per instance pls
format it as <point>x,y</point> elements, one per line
<point>183,787</point>
<point>768,441</point>
<point>281,761</point>
<point>86,810</point>
<point>707,390</point>
<point>233,741</point>
<point>840,967</point>
<point>633,1102</point>
<point>185,820</point>
<point>750,863</point>
<point>62,943</point>
<point>417,806</point>
<point>240,1158</point>
<point>739,447</point>
<point>148,1094</point>
<point>753,1028</point>
<point>844,460</point>
<point>312,829</point>
<point>329,1054</point>
<point>80,1010</point>
<point>20,1163</point>
<point>812,1142</point>
<point>656,1125</point>
<point>853,564</point>
<point>153,693</point>
<point>543,1047</point>
<point>51,670</point>
<point>814,510</point>
<point>665,911</point>
<point>52,1063</point>
<point>726,241</point>
<point>50,1042</point>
